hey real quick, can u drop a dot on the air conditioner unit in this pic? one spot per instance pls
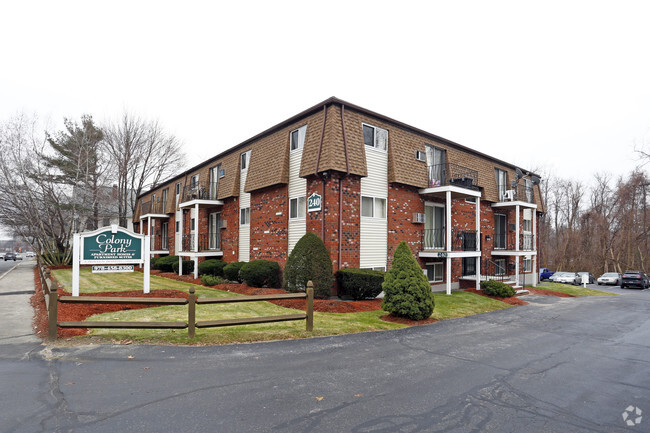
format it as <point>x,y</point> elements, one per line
<point>223,224</point>
<point>509,195</point>
<point>420,156</point>
<point>418,218</point>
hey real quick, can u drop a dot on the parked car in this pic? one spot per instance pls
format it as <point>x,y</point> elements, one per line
<point>591,277</point>
<point>566,278</point>
<point>610,278</point>
<point>635,279</point>
<point>30,254</point>
<point>10,256</point>
<point>545,274</point>
<point>18,256</point>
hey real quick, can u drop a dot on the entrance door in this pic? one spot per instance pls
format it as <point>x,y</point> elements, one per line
<point>500,232</point>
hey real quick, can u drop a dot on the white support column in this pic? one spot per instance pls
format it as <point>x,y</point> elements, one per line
<point>517,245</point>
<point>149,231</point>
<point>180,227</point>
<point>76,243</point>
<point>147,264</point>
<point>448,262</point>
<point>535,273</point>
<point>534,212</point>
<point>196,267</point>
<point>448,246</point>
<point>196,228</point>
<point>180,265</point>
<point>478,273</point>
<point>478,242</point>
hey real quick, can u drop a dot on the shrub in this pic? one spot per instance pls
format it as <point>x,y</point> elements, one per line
<point>165,264</point>
<point>56,259</point>
<point>360,283</point>
<point>212,267</point>
<point>231,271</point>
<point>188,266</point>
<point>212,280</point>
<point>407,292</point>
<point>309,260</point>
<point>260,273</point>
<point>497,288</point>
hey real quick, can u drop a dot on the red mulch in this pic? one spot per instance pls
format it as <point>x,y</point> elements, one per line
<point>513,300</point>
<point>37,301</point>
<point>548,293</point>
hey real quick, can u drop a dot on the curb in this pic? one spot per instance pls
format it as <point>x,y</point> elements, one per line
<point>5,274</point>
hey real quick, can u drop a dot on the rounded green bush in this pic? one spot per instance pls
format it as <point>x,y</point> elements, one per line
<point>309,260</point>
<point>165,264</point>
<point>188,266</point>
<point>360,283</point>
<point>231,271</point>
<point>497,288</point>
<point>261,273</point>
<point>212,280</point>
<point>407,292</point>
<point>212,267</point>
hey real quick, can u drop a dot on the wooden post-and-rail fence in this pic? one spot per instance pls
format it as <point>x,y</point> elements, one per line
<point>191,302</point>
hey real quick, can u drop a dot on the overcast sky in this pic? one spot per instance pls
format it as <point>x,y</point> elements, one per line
<point>546,85</point>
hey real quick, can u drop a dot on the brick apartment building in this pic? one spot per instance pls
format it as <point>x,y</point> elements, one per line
<point>362,182</point>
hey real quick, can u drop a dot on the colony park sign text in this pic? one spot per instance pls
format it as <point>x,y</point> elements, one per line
<point>110,245</point>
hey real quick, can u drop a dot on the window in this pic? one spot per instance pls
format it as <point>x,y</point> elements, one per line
<point>297,207</point>
<point>192,224</point>
<point>245,160</point>
<point>436,165</point>
<point>245,216</point>
<point>178,226</point>
<point>469,266</point>
<point>214,236</point>
<point>214,181</point>
<point>500,267</point>
<point>470,200</point>
<point>164,236</point>
<point>298,138</point>
<point>528,264</point>
<point>434,227</point>
<point>500,232</point>
<point>178,188</point>
<point>528,221</point>
<point>165,194</point>
<point>194,181</point>
<point>502,182</point>
<point>434,272</point>
<point>528,185</point>
<point>375,137</point>
<point>373,207</point>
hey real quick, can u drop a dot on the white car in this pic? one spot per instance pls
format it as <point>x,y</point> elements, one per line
<point>609,278</point>
<point>566,278</point>
<point>30,254</point>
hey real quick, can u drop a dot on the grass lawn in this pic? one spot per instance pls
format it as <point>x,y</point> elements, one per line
<point>573,290</point>
<point>459,304</point>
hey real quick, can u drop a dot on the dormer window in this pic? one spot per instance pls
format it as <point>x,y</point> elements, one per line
<point>375,137</point>
<point>298,138</point>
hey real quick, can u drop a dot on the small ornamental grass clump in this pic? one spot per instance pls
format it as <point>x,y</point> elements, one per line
<point>309,260</point>
<point>497,288</point>
<point>407,292</point>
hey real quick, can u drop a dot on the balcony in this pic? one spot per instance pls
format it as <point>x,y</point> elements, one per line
<point>206,242</point>
<point>200,191</point>
<point>153,207</point>
<point>461,240</point>
<point>159,241</point>
<point>450,174</point>
<point>519,193</point>
<point>503,242</point>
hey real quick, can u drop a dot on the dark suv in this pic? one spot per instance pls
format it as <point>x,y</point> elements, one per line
<point>10,256</point>
<point>635,279</point>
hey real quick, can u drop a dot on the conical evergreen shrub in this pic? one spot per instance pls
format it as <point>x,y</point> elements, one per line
<point>407,292</point>
<point>309,260</point>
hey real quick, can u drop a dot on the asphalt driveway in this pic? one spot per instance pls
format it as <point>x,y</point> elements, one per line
<point>556,365</point>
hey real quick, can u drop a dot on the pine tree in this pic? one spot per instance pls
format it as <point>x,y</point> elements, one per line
<point>309,260</point>
<point>407,292</point>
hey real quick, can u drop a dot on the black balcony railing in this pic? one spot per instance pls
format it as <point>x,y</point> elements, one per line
<point>461,240</point>
<point>504,242</point>
<point>153,207</point>
<point>491,270</point>
<point>452,174</point>
<point>518,193</point>
<point>200,191</point>
<point>500,241</point>
<point>206,242</point>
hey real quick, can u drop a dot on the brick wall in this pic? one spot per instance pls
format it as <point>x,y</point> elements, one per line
<point>403,201</point>
<point>270,224</point>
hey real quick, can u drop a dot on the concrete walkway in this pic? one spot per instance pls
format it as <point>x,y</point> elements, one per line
<point>16,314</point>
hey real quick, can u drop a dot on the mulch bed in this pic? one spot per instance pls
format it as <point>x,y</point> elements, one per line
<point>548,293</point>
<point>512,300</point>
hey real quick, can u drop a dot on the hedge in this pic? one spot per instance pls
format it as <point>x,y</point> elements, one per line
<point>188,266</point>
<point>360,283</point>
<point>497,288</point>
<point>165,264</point>
<point>212,267</point>
<point>231,271</point>
<point>261,273</point>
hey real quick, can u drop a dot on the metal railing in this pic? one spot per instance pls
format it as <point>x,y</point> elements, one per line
<point>159,241</point>
<point>491,270</point>
<point>518,193</point>
<point>153,207</point>
<point>191,302</point>
<point>461,240</point>
<point>526,242</point>
<point>504,242</point>
<point>206,242</point>
<point>452,174</point>
<point>200,191</point>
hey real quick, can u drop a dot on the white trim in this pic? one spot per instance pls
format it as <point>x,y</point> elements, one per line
<point>374,146</point>
<point>451,188</point>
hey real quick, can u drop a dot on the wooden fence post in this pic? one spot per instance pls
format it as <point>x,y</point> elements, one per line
<point>310,306</point>
<point>52,314</point>
<point>191,313</point>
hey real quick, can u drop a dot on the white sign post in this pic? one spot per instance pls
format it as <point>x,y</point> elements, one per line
<point>110,246</point>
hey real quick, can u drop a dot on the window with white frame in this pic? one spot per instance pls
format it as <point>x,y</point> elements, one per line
<point>245,160</point>
<point>194,181</point>
<point>245,216</point>
<point>375,137</point>
<point>502,183</point>
<point>178,188</point>
<point>298,138</point>
<point>297,208</point>
<point>528,221</point>
<point>373,207</point>
<point>178,226</point>
<point>434,272</point>
<point>528,264</point>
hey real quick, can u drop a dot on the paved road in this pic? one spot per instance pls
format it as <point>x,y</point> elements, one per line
<point>556,365</point>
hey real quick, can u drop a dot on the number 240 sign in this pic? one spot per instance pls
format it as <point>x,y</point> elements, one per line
<point>313,203</point>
